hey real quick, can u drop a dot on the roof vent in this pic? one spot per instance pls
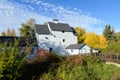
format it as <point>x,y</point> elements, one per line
<point>56,21</point>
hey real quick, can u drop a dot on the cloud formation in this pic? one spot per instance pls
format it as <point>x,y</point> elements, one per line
<point>13,13</point>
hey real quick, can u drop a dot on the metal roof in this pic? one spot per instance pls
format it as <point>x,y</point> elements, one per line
<point>75,46</point>
<point>42,29</point>
<point>60,27</point>
<point>74,32</point>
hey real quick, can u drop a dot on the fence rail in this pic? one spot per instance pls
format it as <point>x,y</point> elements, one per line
<point>107,57</point>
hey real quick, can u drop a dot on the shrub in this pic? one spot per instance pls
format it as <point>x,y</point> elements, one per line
<point>77,68</point>
<point>11,63</point>
<point>112,48</point>
<point>49,62</point>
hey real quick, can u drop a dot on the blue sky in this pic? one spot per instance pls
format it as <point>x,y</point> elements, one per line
<point>92,15</point>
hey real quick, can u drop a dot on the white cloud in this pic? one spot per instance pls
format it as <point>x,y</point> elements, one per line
<point>12,14</point>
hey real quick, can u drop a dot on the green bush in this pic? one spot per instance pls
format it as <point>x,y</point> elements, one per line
<point>77,68</point>
<point>112,48</point>
<point>39,68</point>
<point>11,63</point>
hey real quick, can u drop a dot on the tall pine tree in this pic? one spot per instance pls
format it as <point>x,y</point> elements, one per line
<point>109,33</point>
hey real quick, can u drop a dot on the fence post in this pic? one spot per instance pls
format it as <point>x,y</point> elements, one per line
<point>102,57</point>
<point>117,56</point>
<point>105,56</point>
<point>110,56</point>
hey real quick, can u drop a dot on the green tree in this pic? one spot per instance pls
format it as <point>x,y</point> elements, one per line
<point>117,35</point>
<point>11,62</point>
<point>81,34</point>
<point>27,29</point>
<point>109,33</point>
<point>112,47</point>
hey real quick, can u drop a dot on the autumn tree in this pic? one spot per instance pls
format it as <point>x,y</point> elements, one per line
<point>109,33</point>
<point>3,34</point>
<point>92,39</point>
<point>81,34</point>
<point>27,29</point>
<point>31,23</point>
<point>102,41</point>
<point>13,33</point>
<point>9,32</point>
<point>95,41</point>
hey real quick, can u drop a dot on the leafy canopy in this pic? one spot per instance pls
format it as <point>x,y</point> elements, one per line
<point>81,34</point>
<point>27,29</point>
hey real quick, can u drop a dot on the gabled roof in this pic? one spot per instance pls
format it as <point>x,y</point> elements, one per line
<point>60,27</point>
<point>74,32</point>
<point>75,46</point>
<point>42,29</point>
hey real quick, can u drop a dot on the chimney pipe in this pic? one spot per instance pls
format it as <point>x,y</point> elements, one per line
<point>56,21</point>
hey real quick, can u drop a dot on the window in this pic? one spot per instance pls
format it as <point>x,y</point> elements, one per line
<point>46,37</point>
<point>54,35</point>
<point>50,49</point>
<point>63,40</point>
<point>71,50</point>
<point>63,31</point>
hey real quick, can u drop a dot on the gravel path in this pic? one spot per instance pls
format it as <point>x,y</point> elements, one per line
<point>116,64</point>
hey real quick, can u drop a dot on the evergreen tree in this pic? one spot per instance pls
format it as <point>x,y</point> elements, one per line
<point>109,33</point>
<point>11,61</point>
<point>117,35</point>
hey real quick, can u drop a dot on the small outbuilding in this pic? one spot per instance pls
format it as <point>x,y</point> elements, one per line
<point>75,49</point>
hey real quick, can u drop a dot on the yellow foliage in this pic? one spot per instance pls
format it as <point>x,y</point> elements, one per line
<point>95,41</point>
<point>9,32</point>
<point>3,34</point>
<point>92,39</point>
<point>103,42</point>
<point>81,32</point>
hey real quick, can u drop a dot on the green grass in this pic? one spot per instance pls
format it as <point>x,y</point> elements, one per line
<point>111,72</point>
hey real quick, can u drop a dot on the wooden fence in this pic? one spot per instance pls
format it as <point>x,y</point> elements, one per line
<point>107,57</point>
